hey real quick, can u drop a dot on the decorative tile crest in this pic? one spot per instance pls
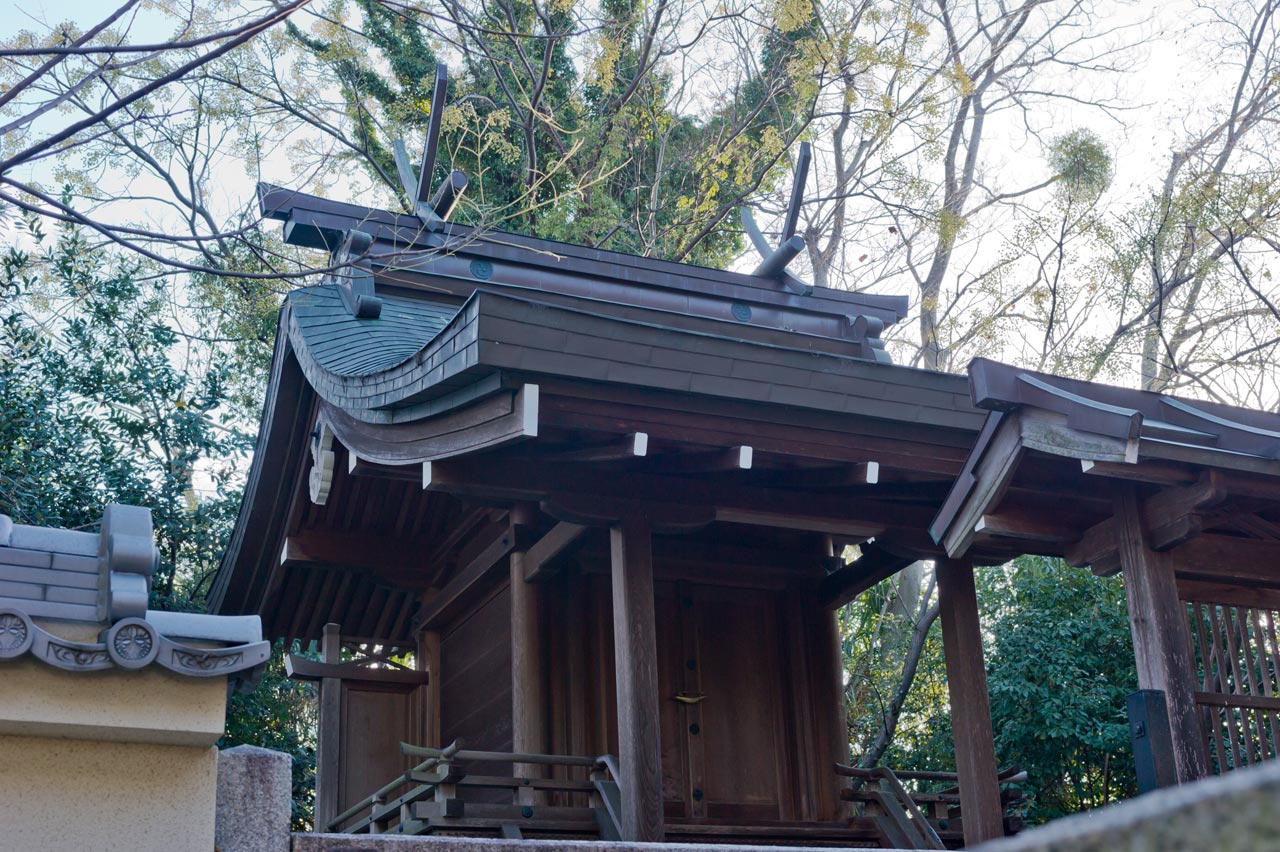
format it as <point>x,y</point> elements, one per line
<point>130,644</point>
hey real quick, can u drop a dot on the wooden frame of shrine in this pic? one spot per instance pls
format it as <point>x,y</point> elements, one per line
<point>568,524</point>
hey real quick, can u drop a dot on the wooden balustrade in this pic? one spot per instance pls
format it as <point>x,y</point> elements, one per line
<point>431,797</point>
<point>919,819</point>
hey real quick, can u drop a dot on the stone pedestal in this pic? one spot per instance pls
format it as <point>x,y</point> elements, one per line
<point>254,800</point>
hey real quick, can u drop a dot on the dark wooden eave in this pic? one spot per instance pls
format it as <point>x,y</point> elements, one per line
<point>1043,473</point>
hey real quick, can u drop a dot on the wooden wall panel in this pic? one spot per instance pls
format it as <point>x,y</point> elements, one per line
<point>375,720</point>
<point>475,684</point>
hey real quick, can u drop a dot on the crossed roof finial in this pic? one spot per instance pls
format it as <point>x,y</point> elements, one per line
<point>433,210</point>
<point>773,263</point>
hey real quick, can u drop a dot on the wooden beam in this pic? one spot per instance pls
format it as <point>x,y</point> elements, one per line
<point>357,466</point>
<point>507,478</point>
<point>551,545</point>
<point>446,601</point>
<point>877,563</point>
<point>1017,522</point>
<point>1161,639</point>
<point>983,814</point>
<point>797,520</point>
<point>429,695</point>
<point>395,559</point>
<point>987,482</point>
<point>1228,559</point>
<point>635,651</point>
<point>528,701</point>
<point>607,511</point>
<point>1170,517</point>
<point>1228,594</point>
<point>1155,472</point>
<point>302,668</point>
<point>712,461</point>
<point>1256,526</point>
<point>837,476</point>
<point>632,446</point>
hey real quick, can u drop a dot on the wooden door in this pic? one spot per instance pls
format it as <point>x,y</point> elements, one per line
<point>724,729</point>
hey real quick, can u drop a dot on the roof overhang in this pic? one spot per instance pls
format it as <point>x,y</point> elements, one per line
<point>1052,438</point>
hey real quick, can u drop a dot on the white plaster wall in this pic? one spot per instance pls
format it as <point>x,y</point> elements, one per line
<point>150,706</point>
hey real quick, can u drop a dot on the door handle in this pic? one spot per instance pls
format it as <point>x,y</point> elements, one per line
<point>690,697</point>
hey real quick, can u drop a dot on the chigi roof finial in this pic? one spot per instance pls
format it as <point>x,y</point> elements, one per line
<point>773,263</point>
<point>433,210</point>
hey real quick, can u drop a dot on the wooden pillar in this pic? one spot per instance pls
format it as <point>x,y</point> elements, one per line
<point>328,732</point>
<point>982,814</point>
<point>1161,637</point>
<point>636,662</point>
<point>528,697</point>
<point>429,695</point>
<point>833,716</point>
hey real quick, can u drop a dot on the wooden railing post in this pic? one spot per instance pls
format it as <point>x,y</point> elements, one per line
<point>636,660</point>
<point>980,807</point>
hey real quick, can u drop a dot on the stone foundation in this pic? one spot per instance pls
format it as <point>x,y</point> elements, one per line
<point>389,843</point>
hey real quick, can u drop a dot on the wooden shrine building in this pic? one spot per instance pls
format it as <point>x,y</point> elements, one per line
<point>543,504</point>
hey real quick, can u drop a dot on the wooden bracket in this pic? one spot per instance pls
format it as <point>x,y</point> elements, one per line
<point>320,480</point>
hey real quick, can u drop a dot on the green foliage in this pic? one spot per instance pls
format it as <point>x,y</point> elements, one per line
<point>103,398</point>
<point>1060,666</point>
<point>97,409</point>
<point>1082,163</point>
<point>597,156</point>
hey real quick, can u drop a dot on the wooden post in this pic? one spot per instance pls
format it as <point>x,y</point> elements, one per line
<point>1161,638</point>
<point>636,661</point>
<point>528,700</point>
<point>429,695</point>
<point>980,808</point>
<point>329,732</point>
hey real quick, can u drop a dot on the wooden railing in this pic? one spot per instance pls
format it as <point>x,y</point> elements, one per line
<point>917,819</point>
<point>430,797</point>
<point>1236,654</point>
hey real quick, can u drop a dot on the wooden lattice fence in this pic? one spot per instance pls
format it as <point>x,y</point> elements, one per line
<point>1236,652</point>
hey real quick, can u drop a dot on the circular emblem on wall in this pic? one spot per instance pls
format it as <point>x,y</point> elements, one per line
<point>15,633</point>
<point>132,643</point>
<point>741,311</point>
<point>482,269</point>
